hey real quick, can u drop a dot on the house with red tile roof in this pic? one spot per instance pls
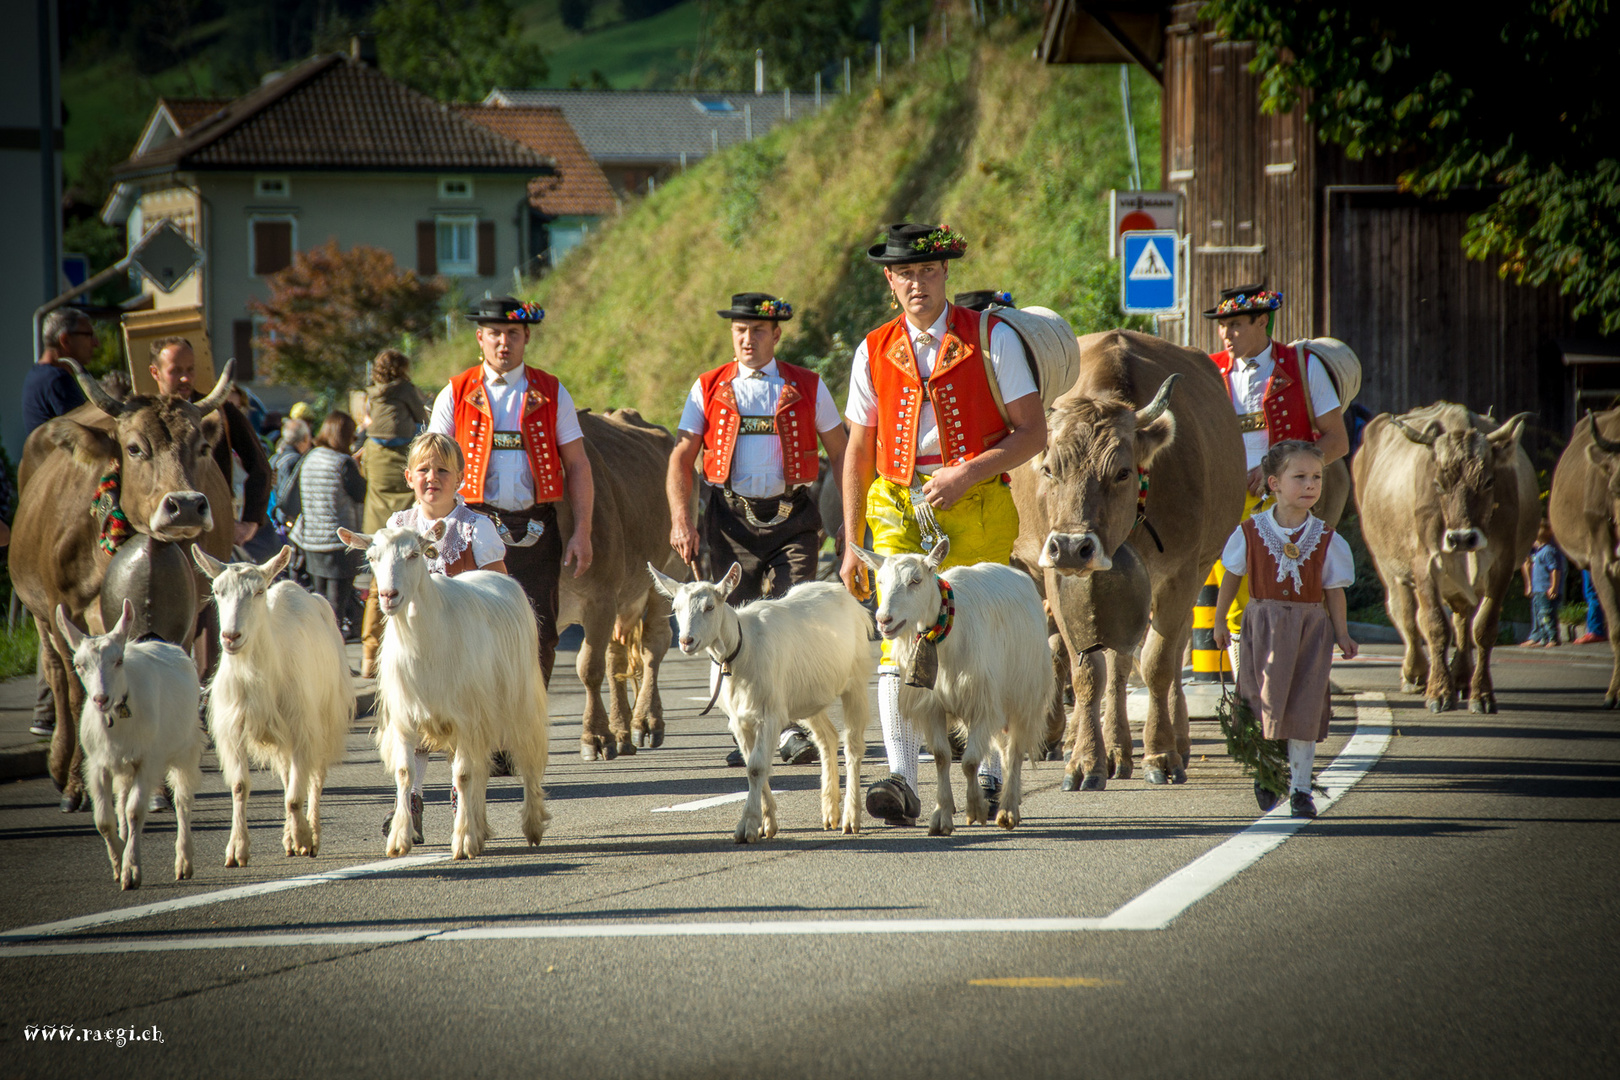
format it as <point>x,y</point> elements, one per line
<point>563,208</point>
<point>331,149</point>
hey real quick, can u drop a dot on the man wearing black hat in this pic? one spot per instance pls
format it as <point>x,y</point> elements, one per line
<point>925,431</point>
<point>520,437</point>
<point>756,421</point>
<point>1274,398</point>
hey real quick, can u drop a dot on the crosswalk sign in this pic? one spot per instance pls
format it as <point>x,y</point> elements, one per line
<point>1149,285</point>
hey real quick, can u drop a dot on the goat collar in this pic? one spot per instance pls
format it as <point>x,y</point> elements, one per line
<point>725,667</point>
<point>119,711</point>
<point>947,615</point>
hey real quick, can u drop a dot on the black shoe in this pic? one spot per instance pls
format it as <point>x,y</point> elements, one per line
<point>500,764</point>
<point>1265,797</point>
<point>893,800</point>
<point>43,728</point>
<point>416,818</point>
<point>735,759</point>
<point>798,750</point>
<point>1300,804</point>
<point>992,791</point>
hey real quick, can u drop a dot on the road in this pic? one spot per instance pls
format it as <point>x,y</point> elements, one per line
<point>1453,913</point>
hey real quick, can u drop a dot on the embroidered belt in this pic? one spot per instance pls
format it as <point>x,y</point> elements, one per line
<point>756,425</point>
<point>1249,422</point>
<point>507,440</point>
<point>786,504</point>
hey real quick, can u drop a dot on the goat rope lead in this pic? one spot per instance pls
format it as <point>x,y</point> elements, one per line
<point>725,669</point>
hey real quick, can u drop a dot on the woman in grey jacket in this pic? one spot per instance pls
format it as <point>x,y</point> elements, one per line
<point>331,491</point>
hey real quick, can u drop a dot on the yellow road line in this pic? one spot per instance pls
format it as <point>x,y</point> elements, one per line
<point>1044,982</point>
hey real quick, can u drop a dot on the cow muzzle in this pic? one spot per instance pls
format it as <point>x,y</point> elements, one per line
<point>1074,553</point>
<point>181,515</point>
<point>1464,540</point>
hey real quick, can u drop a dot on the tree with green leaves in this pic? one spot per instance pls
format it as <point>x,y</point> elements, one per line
<point>1521,101</point>
<point>455,50</point>
<point>798,40</point>
<point>331,311</point>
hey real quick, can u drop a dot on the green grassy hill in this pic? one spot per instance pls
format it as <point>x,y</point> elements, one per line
<point>644,54</point>
<point>1016,155</point>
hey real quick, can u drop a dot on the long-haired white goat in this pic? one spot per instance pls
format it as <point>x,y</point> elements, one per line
<point>995,668</point>
<point>282,695</point>
<point>459,671</point>
<point>789,657</point>
<point>139,724</point>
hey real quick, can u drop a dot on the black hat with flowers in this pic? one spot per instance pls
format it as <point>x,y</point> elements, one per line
<point>504,309</point>
<point>980,299</point>
<point>1245,300</point>
<point>757,305</point>
<point>912,243</point>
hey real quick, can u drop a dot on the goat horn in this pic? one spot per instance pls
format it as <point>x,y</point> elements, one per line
<point>1597,436</point>
<point>216,396</point>
<point>1410,433</point>
<point>92,390</point>
<point>1161,401</point>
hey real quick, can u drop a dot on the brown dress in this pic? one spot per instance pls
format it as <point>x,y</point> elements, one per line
<point>1286,650</point>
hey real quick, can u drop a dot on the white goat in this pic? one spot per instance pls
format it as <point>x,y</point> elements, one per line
<point>281,697</point>
<point>787,658</point>
<point>995,668</point>
<point>459,671</point>
<point>139,723</point>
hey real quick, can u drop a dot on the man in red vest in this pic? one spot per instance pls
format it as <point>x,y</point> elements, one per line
<point>1274,399</point>
<point>925,428</point>
<point>520,436</point>
<point>756,421</point>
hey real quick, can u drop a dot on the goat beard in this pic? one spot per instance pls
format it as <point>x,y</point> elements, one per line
<point>923,669</point>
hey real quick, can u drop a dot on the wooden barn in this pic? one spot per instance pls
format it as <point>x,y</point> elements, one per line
<point>1356,259</point>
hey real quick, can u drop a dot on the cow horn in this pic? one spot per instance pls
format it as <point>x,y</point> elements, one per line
<point>1161,401</point>
<point>216,396</point>
<point>1510,429</point>
<point>92,390</point>
<point>1597,437</point>
<point>1411,433</point>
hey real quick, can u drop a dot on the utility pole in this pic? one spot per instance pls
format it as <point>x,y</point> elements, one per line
<point>846,77</point>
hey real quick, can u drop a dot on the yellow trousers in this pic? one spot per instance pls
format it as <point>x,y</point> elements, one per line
<point>982,525</point>
<point>1252,505</point>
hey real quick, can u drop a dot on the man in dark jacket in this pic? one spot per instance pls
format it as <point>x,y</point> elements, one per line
<point>49,390</point>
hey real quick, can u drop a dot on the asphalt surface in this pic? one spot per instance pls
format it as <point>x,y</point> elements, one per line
<point>1453,914</point>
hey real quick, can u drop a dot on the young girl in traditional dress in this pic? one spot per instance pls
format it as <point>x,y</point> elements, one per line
<point>1293,562</point>
<point>433,468</point>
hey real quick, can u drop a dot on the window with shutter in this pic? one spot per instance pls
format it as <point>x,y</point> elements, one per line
<point>486,249</point>
<point>272,245</point>
<point>427,252</point>
<point>242,349</point>
<point>455,238</point>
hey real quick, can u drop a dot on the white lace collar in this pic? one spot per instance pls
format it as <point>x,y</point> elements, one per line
<point>1303,539</point>
<point>458,533</point>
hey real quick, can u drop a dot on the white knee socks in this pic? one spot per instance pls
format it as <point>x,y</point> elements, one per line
<point>1301,755</point>
<point>420,773</point>
<point>899,737</point>
<point>991,765</point>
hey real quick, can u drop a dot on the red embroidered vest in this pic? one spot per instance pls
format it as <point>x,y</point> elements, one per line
<point>1286,402</point>
<point>958,388</point>
<point>475,431</point>
<point>1263,583</point>
<point>795,424</point>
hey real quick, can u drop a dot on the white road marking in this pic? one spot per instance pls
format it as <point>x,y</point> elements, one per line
<point>141,911</point>
<point>1154,909</point>
<point>704,804</point>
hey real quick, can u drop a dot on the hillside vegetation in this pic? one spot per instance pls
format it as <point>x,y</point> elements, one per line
<point>1016,155</point>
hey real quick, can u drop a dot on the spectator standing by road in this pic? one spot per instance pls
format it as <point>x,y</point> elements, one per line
<point>394,414</point>
<point>1543,574</point>
<point>330,491</point>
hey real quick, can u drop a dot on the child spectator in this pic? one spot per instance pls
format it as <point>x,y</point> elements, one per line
<point>330,489</point>
<point>1543,574</point>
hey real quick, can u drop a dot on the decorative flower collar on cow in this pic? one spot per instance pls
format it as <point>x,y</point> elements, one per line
<point>115,527</point>
<point>1245,300</point>
<point>1289,553</point>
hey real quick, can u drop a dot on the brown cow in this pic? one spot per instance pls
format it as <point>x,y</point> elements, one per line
<point>626,620</point>
<point>1078,503</point>
<point>1449,508</point>
<point>1584,507</point>
<point>169,486</point>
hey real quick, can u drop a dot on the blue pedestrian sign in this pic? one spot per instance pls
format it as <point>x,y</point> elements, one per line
<point>1149,280</point>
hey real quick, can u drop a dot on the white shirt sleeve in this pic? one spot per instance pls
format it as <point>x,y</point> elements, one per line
<point>567,417</point>
<point>1339,565</point>
<point>827,416</point>
<point>1235,556</point>
<point>486,542</point>
<point>1323,397</point>
<point>692,418</point>
<point>1010,364</point>
<point>862,407</point>
<point>443,420</point>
